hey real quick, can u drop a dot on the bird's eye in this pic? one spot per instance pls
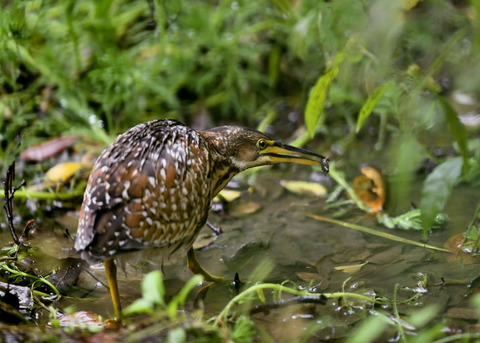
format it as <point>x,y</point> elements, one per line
<point>261,144</point>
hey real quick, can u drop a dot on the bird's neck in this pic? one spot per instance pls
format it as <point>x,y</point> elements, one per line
<point>223,171</point>
<point>222,168</point>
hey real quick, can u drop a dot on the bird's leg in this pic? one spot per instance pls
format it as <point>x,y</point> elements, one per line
<point>196,268</point>
<point>216,230</point>
<point>111,271</point>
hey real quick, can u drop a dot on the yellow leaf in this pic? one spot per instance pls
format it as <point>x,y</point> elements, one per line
<point>63,171</point>
<point>261,296</point>
<point>304,188</point>
<point>310,277</point>
<point>227,195</point>
<point>409,4</point>
<point>245,208</point>
<point>351,269</point>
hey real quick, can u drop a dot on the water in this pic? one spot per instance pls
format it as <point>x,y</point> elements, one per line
<point>294,247</point>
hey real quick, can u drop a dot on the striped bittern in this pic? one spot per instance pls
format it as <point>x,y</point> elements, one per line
<point>154,185</point>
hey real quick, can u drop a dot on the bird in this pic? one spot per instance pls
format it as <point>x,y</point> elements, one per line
<point>154,185</point>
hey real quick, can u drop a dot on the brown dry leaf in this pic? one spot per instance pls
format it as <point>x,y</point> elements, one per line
<point>370,188</point>
<point>80,318</point>
<point>351,269</point>
<point>203,241</point>
<point>456,245</point>
<point>63,171</point>
<point>310,277</point>
<point>45,150</point>
<point>245,208</point>
<point>304,188</point>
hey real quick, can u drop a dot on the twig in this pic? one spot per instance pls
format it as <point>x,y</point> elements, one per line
<point>9,195</point>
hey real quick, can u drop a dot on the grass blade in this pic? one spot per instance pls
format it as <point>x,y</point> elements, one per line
<point>374,232</point>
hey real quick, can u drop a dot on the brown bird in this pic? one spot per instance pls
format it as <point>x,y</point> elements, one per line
<point>154,185</point>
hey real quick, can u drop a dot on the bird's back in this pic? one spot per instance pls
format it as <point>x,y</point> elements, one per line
<point>151,187</point>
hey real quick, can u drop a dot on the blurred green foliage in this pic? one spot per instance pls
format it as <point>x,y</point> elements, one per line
<point>102,64</point>
<point>114,63</point>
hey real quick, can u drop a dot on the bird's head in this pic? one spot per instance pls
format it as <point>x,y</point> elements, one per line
<point>246,148</point>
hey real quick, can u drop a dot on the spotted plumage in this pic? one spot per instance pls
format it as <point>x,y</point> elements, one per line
<point>153,187</point>
<point>147,189</point>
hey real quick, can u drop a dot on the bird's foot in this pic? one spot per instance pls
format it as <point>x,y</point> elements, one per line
<point>196,268</point>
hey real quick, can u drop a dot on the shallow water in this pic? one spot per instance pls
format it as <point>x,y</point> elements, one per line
<point>306,251</point>
<point>292,246</point>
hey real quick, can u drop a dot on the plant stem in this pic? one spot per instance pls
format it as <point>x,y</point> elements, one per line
<point>255,288</point>
<point>24,194</point>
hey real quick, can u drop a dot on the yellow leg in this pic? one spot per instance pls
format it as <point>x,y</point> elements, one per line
<point>196,268</point>
<point>111,271</point>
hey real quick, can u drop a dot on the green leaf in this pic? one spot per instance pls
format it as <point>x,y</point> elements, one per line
<point>370,329</point>
<point>315,108</point>
<point>181,297</point>
<point>153,289</point>
<point>411,220</point>
<point>423,316</point>
<point>177,335</point>
<point>371,103</point>
<point>437,188</point>
<point>139,306</point>
<point>244,330</point>
<point>457,131</point>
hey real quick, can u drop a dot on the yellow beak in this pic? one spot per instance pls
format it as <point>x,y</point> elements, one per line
<point>280,153</point>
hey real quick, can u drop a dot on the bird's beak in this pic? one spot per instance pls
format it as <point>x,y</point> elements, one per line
<point>280,153</point>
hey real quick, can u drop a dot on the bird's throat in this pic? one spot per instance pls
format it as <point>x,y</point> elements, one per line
<point>222,175</point>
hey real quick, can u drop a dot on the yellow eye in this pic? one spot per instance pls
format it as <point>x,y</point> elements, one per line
<point>262,144</point>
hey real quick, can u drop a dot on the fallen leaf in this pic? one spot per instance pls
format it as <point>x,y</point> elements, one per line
<point>45,150</point>
<point>245,208</point>
<point>227,195</point>
<point>370,188</point>
<point>203,241</point>
<point>80,318</point>
<point>457,244</point>
<point>63,171</point>
<point>351,269</point>
<point>304,188</point>
<point>310,277</point>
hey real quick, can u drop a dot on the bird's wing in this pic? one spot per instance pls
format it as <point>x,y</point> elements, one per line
<point>144,191</point>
